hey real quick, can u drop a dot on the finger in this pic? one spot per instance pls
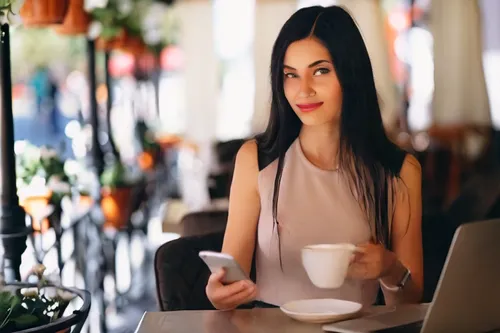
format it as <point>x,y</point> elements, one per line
<point>363,247</point>
<point>253,296</point>
<point>352,259</point>
<point>228,291</point>
<point>241,297</point>
<point>216,277</point>
<point>250,297</point>
<point>357,271</point>
<point>358,257</point>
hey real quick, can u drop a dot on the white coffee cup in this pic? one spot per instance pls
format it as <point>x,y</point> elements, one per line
<point>327,264</point>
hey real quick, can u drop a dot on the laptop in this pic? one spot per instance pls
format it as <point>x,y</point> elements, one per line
<point>467,297</point>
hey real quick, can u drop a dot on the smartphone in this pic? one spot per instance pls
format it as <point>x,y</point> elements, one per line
<point>216,261</point>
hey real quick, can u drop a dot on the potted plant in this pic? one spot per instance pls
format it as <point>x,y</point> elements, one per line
<point>41,180</point>
<point>82,181</point>
<point>108,25</point>
<point>9,11</point>
<point>116,195</point>
<point>44,12</point>
<point>117,25</point>
<point>26,306</point>
<point>76,21</point>
<point>150,148</point>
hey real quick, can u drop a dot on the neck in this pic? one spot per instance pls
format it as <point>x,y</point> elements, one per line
<point>320,145</point>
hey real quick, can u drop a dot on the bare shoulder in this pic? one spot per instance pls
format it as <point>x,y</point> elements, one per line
<point>410,178</point>
<point>411,169</point>
<point>247,156</point>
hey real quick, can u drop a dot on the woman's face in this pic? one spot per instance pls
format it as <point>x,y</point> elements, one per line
<point>311,84</point>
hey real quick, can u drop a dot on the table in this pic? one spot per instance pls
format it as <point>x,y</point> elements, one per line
<point>238,321</point>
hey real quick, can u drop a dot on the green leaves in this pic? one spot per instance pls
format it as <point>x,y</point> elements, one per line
<point>25,320</point>
<point>12,312</point>
<point>114,176</point>
<point>21,312</point>
<point>6,4</point>
<point>146,137</point>
<point>43,162</point>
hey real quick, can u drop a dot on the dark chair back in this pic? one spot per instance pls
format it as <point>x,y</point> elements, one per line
<point>181,276</point>
<point>205,222</point>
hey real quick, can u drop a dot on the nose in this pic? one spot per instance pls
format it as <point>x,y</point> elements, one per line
<point>306,89</point>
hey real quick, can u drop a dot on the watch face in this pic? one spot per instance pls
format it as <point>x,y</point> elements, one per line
<point>405,278</point>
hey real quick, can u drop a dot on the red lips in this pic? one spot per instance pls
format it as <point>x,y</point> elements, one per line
<point>309,107</point>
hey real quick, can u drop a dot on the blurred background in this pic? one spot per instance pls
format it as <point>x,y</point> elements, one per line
<point>127,116</point>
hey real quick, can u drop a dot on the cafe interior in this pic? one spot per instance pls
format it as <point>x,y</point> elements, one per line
<point>120,124</point>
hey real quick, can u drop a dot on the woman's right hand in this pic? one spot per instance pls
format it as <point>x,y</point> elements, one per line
<point>228,297</point>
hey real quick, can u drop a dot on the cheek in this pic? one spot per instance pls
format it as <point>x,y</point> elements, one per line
<point>290,87</point>
<point>332,94</point>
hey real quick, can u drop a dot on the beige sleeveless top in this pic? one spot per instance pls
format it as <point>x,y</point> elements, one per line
<point>315,206</point>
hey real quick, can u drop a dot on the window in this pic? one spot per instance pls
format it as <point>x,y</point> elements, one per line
<point>234,36</point>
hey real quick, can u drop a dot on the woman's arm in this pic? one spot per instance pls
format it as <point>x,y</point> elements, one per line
<point>407,237</point>
<point>239,240</point>
<point>244,207</point>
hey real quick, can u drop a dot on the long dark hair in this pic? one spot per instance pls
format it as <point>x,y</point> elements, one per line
<point>367,158</point>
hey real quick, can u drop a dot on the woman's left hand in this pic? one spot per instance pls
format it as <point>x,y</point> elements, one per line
<point>371,262</point>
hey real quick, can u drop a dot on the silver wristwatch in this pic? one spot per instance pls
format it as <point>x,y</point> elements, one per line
<point>401,284</point>
<point>405,279</point>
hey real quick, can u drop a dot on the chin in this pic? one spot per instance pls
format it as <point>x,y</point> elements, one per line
<point>311,120</point>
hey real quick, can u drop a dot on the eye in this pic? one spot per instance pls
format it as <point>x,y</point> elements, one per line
<point>322,71</point>
<point>290,75</point>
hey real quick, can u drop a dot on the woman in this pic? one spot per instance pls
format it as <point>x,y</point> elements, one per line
<point>323,172</point>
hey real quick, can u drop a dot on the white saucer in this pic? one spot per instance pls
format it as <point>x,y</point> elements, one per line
<point>321,311</point>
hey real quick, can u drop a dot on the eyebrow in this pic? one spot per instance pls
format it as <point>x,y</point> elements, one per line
<point>316,63</point>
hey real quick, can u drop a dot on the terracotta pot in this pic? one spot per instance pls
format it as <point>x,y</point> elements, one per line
<point>146,160</point>
<point>115,205</point>
<point>35,206</point>
<point>76,21</point>
<point>168,141</point>
<point>86,200</point>
<point>44,12</point>
<point>146,61</point>
<point>112,43</point>
<point>134,46</point>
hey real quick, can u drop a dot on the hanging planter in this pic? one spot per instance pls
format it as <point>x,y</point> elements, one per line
<point>146,161</point>
<point>85,200</point>
<point>44,12</point>
<point>9,11</point>
<point>42,182</point>
<point>76,21</point>
<point>135,46</point>
<point>37,205</point>
<point>169,141</point>
<point>116,196</point>
<point>112,43</point>
<point>115,205</point>
<point>151,149</point>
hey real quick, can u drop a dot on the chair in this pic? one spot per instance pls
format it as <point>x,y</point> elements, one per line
<point>181,276</point>
<point>477,201</point>
<point>437,234</point>
<point>205,222</point>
